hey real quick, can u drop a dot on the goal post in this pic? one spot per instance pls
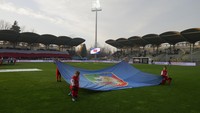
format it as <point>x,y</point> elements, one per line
<point>141,60</point>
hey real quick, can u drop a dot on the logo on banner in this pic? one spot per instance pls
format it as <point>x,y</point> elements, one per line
<point>95,51</point>
<point>108,78</point>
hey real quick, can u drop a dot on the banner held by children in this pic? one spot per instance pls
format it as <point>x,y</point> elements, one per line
<point>119,76</point>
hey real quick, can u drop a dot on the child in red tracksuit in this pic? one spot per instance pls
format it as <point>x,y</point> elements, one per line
<point>74,86</point>
<point>164,74</point>
<point>58,76</point>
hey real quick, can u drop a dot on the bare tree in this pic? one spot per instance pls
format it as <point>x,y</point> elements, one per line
<point>4,25</point>
<point>83,50</point>
<point>22,28</point>
<point>33,30</point>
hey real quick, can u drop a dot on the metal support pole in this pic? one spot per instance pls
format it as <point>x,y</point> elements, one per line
<point>96,31</point>
<point>95,9</point>
<point>190,53</point>
<point>95,44</point>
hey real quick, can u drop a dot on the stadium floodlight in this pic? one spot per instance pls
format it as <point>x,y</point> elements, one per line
<point>95,8</point>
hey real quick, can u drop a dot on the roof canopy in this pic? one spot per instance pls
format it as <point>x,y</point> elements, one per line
<point>76,41</point>
<point>192,35</point>
<point>138,41</point>
<point>30,37</point>
<point>153,39</point>
<point>9,35</point>
<point>63,40</point>
<point>114,43</point>
<point>46,39</point>
<point>172,37</point>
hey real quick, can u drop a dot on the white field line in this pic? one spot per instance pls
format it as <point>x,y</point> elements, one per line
<point>19,70</point>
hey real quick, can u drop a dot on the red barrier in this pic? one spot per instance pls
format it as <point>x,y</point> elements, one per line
<point>34,55</point>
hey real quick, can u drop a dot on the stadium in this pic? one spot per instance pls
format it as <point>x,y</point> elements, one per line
<point>28,45</point>
<point>172,45</point>
<point>128,80</point>
<point>34,51</point>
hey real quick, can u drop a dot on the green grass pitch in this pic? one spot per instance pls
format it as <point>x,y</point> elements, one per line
<point>38,92</point>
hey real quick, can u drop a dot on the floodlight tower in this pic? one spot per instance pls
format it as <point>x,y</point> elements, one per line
<point>95,8</point>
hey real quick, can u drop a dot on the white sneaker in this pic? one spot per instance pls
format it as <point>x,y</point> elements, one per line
<point>73,99</point>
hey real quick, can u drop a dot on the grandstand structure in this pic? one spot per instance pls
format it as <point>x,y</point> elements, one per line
<point>29,45</point>
<point>170,45</point>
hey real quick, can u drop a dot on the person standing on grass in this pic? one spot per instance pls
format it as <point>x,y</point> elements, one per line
<point>58,76</point>
<point>1,60</point>
<point>164,74</point>
<point>15,60</point>
<point>74,86</point>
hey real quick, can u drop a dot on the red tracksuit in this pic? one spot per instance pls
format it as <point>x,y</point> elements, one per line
<point>164,74</point>
<point>74,87</point>
<point>58,76</point>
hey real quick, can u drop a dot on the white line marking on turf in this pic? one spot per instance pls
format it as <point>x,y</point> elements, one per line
<point>19,70</point>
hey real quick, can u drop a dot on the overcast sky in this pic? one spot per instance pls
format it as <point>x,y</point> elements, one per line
<point>118,18</point>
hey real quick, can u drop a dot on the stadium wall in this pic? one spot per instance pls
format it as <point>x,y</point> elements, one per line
<point>107,61</point>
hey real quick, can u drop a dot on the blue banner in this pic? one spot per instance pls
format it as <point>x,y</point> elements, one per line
<point>119,76</point>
